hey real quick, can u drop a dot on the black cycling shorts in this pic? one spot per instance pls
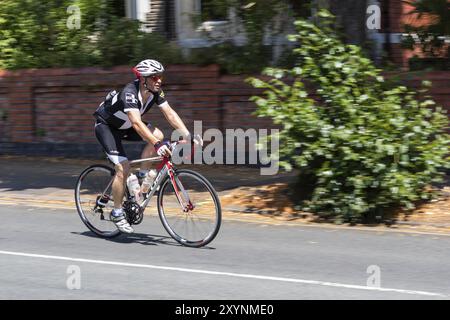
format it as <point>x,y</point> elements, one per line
<point>111,140</point>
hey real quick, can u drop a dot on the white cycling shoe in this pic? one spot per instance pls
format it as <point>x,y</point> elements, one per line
<point>122,224</point>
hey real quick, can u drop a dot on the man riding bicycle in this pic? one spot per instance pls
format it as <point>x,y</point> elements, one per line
<point>119,118</point>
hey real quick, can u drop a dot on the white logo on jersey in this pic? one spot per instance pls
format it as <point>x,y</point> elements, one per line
<point>130,98</point>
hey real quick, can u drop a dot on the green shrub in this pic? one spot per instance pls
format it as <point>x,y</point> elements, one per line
<point>123,43</point>
<point>155,46</point>
<point>34,34</point>
<point>233,59</point>
<point>360,147</point>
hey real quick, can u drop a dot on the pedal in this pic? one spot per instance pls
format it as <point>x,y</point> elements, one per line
<point>102,201</point>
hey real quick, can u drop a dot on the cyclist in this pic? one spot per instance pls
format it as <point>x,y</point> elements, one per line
<point>119,118</point>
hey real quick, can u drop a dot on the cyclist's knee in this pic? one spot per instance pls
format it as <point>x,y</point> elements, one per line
<point>122,169</point>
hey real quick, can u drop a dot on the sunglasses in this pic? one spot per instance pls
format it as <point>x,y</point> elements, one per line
<point>156,77</point>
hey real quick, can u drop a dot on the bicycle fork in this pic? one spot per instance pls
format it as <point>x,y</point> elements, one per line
<point>180,192</point>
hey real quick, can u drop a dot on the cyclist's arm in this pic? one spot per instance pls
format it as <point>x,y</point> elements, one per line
<point>174,120</point>
<point>140,127</point>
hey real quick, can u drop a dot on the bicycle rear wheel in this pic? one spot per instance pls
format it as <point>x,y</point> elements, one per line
<point>94,200</point>
<point>198,226</point>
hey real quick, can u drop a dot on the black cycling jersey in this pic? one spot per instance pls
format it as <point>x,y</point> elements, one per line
<point>113,125</point>
<point>113,111</point>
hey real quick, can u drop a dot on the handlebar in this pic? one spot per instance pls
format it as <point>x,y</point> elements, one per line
<point>172,145</point>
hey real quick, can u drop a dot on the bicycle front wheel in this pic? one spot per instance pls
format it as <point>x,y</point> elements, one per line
<point>93,197</point>
<point>197,226</point>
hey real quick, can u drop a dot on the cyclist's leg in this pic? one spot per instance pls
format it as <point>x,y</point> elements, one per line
<point>149,149</point>
<point>110,139</point>
<point>118,186</point>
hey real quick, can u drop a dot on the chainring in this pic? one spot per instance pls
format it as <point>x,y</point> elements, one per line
<point>134,212</point>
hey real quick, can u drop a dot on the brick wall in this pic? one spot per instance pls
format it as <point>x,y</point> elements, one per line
<point>236,109</point>
<point>49,111</point>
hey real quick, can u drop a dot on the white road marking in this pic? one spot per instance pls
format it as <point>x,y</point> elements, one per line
<point>228,274</point>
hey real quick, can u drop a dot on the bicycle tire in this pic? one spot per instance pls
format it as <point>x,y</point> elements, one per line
<point>164,218</point>
<point>83,215</point>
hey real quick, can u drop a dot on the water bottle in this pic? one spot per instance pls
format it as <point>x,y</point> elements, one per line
<point>148,180</point>
<point>134,187</point>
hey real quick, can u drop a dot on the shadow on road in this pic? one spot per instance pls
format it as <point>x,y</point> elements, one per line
<point>141,238</point>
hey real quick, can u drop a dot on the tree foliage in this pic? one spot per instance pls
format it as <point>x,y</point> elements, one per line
<point>35,34</point>
<point>360,146</point>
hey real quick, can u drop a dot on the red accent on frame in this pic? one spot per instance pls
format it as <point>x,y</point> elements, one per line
<point>175,187</point>
<point>163,163</point>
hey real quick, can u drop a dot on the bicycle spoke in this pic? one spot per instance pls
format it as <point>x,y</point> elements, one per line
<point>93,184</point>
<point>195,225</point>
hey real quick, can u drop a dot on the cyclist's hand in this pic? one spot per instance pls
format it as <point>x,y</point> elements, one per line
<point>162,149</point>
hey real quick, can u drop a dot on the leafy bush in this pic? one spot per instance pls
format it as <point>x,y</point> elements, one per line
<point>233,59</point>
<point>123,43</point>
<point>153,45</point>
<point>361,148</point>
<point>34,34</point>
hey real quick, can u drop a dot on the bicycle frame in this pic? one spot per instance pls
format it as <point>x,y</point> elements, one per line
<point>165,168</point>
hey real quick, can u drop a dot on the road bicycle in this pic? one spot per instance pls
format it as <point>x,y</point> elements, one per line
<point>188,206</point>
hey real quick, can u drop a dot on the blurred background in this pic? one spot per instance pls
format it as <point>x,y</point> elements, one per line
<point>47,93</point>
<point>59,58</point>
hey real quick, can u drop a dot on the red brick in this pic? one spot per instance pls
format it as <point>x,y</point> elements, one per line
<point>63,102</point>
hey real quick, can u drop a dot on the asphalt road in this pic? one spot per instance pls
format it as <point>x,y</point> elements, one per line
<point>49,254</point>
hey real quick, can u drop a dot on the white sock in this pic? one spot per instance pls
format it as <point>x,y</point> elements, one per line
<point>117,212</point>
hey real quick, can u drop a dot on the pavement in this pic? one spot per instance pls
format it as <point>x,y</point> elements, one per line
<point>49,183</point>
